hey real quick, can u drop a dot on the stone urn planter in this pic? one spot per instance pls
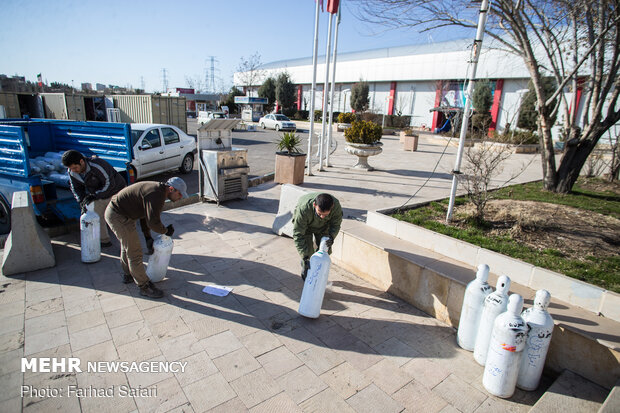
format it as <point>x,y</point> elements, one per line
<point>342,126</point>
<point>363,151</point>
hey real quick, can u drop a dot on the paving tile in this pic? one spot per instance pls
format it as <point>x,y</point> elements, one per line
<point>417,397</point>
<point>372,399</point>
<point>148,378</point>
<point>11,384</point>
<point>11,405</point>
<point>360,355</point>
<point>76,307</point>
<point>255,387</point>
<point>207,326</point>
<point>103,351</point>
<point>301,384</point>
<point>387,376</point>
<point>44,323</point>
<point>168,396</point>
<point>426,372</point>
<point>85,320</point>
<point>123,316</point>
<point>180,347</point>
<point>327,401</point>
<point>279,361</point>
<point>173,327</point>
<point>140,350</point>
<point>345,379</point>
<point>184,408</point>
<point>320,359</point>
<point>43,294</point>
<point>260,342</point>
<point>236,364</point>
<point>55,382</point>
<point>220,344</point>
<point>396,351</point>
<point>54,404</point>
<point>209,392</point>
<point>56,352</point>
<point>198,366</point>
<point>459,394</point>
<point>233,405</point>
<point>280,403</point>
<point>42,341</point>
<point>104,381</point>
<point>129,333</point>
<point>10,361</point>
<point>11,309</point>
<point>90,336</point>
<point>115,302</point>
<point>11,341</point>
<point>44,307</point>
<point>9,324</point>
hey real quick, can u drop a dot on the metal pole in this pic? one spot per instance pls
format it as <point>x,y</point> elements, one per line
<point>313,91</point>
<point>325,90</point>
<point>475,54</point>
<point>331,96</point>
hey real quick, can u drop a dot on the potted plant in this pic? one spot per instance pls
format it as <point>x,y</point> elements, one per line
<point>363,140</point>
<point>410,140</point>
<point>290,162</point>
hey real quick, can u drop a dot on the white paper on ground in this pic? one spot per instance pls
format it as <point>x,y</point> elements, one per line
<point>218,290</point>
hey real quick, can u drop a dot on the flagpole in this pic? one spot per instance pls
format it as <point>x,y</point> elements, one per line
<point>325,90</point>
<point>331,95</point>
<point>313,90</point>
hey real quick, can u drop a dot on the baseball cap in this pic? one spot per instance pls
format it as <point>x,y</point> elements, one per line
<point>178,184</point>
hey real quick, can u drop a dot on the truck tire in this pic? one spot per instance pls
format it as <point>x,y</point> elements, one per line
<point>5,217</point>
<point>187,165</point>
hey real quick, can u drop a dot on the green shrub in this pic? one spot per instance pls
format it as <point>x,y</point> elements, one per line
<point>410,132</point>
<point>363,132</point>
<point>289,142</point>
<point>318,115</point>
<point>289,112</point>
<point>522,137</point>
<point>347,117</point>
<point>301,115</point>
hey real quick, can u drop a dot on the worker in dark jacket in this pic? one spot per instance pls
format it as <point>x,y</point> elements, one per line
<point>95,180</point>
<point>316,215</point>
<point>141,200</point>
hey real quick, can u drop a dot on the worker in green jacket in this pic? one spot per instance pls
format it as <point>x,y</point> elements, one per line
<point>318,215</point>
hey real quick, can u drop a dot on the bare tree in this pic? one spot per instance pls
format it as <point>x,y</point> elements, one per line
<point>249,72</point>
<point>193,82</point>
<point>575,42</point>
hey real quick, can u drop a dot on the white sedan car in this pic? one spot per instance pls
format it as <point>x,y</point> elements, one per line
<point>278,122</point>
<point>159,148</point>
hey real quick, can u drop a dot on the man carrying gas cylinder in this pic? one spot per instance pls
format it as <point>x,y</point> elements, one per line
<point>316,215</point>
<point>141,200</point>
<point>95,180</point>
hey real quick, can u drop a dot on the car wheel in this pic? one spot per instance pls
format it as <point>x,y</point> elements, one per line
<point>5,217</point>
<point>262,125</point>
<point>277,128</point>
<point>187,165</point>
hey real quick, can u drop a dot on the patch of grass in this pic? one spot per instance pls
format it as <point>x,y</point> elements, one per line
<point>600,271</point>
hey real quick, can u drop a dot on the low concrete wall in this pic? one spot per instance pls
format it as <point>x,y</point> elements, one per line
<point>582,342</point>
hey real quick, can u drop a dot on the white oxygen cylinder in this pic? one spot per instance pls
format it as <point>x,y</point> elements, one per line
<point>475,293</point>
<point>90,236</point>
<point>505,350</point>
<point>540,325</point>
<point>316,281</point>
<point>495,304</point>
<point>158,261</point>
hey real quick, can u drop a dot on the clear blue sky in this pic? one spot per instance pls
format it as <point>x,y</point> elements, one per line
<point>120,41</point>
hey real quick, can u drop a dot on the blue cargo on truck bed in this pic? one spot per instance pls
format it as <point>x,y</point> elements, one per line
<point>24,139</point>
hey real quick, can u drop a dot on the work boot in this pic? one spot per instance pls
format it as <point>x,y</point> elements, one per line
<point>149,290</point>
<point>149,246</point>
<point>127,279</point>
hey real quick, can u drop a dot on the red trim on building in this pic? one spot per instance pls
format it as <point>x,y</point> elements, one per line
<point>299,95</point>
<point>392,94</point>
<point>436,114</point>
<point>497,100</point>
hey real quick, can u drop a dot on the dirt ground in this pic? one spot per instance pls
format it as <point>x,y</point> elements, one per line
<point>574,232</point>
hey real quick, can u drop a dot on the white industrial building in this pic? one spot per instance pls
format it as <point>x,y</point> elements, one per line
<point>412,80</point>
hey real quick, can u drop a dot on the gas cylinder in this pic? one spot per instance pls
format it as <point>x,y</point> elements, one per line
<point>505,350</point>
<point>540,326</point>
<point>159,259</point>
<point>89,235</point>
<point>495,304</point>
<point>316,280</point>
<point>475,293</point>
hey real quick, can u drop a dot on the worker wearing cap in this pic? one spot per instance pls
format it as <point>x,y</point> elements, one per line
<point>316,215</point>
<point>141,200</point>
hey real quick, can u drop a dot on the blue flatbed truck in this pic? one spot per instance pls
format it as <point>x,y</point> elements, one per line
<point>24,139</point>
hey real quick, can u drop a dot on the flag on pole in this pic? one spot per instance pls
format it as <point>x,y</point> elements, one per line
<point>332,6</point>
<point>39,79</point>
<point>321,3</point>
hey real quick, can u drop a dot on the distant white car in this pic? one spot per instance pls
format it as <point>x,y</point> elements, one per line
<point>278,122</point>
<point>206,116</point>
<point>159,148</point>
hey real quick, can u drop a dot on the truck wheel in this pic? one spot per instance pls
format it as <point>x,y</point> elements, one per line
<point>188,164</point>
<point>5,217</point>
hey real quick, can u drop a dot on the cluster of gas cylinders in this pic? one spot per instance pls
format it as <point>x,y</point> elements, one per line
<point>510,344</point>
<point>90,245</point>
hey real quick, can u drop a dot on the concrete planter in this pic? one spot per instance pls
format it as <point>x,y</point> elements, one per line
<point>342,126</point>
<point>411,143</point>
<point>290,168</point>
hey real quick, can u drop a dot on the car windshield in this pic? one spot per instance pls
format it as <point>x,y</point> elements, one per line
<point>282,117</point>
<point>135,135</point>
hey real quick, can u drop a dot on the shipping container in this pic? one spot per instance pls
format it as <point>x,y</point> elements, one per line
<point>10,103</point>
<point>168,110</point>
<point>54,105</point>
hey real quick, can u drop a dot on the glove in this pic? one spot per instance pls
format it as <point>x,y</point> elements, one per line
<point>170,230</point>
<point>329,242</point>
<point>149,246</point>
<point>305,265</point>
